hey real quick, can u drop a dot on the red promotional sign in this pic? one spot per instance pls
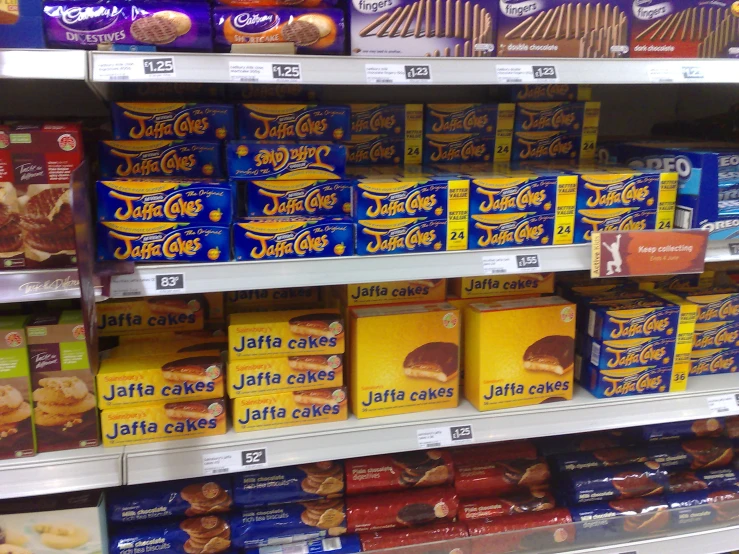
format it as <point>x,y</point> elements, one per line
<point>633,253</point>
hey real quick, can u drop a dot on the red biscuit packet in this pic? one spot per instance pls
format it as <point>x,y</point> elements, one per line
<point>535,532</point>
<point>480,454</point>
<point>496,478</point>
<point>392,538</point>
<point>401,509</point>
<point>425,468</point>
<point>512,504</point>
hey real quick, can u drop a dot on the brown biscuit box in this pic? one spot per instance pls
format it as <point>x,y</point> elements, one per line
<point>65,414</point>
<point>16,418</point>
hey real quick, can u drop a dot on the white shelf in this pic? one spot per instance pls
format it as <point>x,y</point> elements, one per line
<point>228,276</point>
<point>64,471</point>
<point>70,65</point>
<point>346,439</point>
<point>350,70</point>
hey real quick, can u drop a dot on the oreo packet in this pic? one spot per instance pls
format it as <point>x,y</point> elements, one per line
<point>282,523</point>
<point>289,484</point>
<point>171,499</point>
<point>211,534</point>
<point>629,481</point>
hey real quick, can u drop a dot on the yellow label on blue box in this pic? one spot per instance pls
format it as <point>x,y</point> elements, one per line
<point>519,352</point>
<point>404,359</point>
<point>286,373</point>
<point>163,242</point>
<point>284,160</point>
<point>394,292</point>
<point>502,285</point>
<point>268,238</point>
<point>285,333</point>
<point>287,409</point>
<point>161,421</point>
<point>172,377</point>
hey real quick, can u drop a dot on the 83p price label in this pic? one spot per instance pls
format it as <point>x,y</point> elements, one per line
<point>159,66</point>
<point>173,282</point>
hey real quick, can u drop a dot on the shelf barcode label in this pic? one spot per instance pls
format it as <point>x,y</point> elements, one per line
<point>516,74</point>
<point>264,72</point>
<point>438,437</point>
<point>238,460</point>
<point>395,73</point>
<point>723,404</point>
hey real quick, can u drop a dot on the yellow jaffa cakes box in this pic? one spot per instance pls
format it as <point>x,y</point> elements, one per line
<point>393,292</point>
<point>292,298</point>
<point>255,376</point>
<point>404,358</point>
<point>502,285</point>
<point>287,409</point>
<point>159,344</point>
<point>162,421</point>
<point>285,333</point>
<point>171,377</point>
<point>519,352</point>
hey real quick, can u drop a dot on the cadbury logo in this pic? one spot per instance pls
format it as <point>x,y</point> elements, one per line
<point>90,18</point>
<point>255,22</point>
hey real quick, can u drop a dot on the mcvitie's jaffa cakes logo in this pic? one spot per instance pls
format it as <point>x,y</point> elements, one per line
<point>298,157</point>
<point>156,206</point>
<point>452,122</point>
<point>636,191</point>
<point>166,162</point>
<point>183,126</point>
<point>377,123</point>
<point>404,238</point>
<point>467,150</point>
<point>298,202</point>
<point>284,128</point>
<point>496,200</point>
<point>625,328</point>
<point>302,244</point>
<point>418,202</point>
<point>171,246</point>
<point>556,147</point>
<point>634,384</point>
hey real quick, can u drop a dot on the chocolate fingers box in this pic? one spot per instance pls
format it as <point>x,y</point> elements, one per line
<point>163,242</point>
<point>423,28</point>
<point>161,201</point>
<point>133,159</point>
<point>316,31</point>
<point>164,25</point>
<point>164,121</point>
<point>562,29</point>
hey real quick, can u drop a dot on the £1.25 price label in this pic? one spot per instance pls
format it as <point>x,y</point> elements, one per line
<point>438,437</point>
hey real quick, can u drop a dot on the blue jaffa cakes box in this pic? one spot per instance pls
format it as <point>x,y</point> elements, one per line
<point>614,383</point>
<point>389,120</point>
<point>636,318</point>
<point>713,361</point>
<point>400,236</point>
<point>550,93</point>
<point>479,119</point>
<point>364,150</point>
<point>299,122</point>
<point>461,148</point>
<point>172,121</point>
<point>160,201</point>
<point>626,353</point>
<point>567,117</point>
<point>275,238</point>
<point>511,230</point>
<point>163,242</point>
<point>21,24</point>
<point>716,334</point>
<point>307,197</point>
<point>285,160</point>
<point>700,168</point>
<point>135,159</point>
<point>401,198</point>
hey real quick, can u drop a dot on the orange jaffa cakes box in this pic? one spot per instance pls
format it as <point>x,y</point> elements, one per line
<point>404,358</point>
<point>394,292</point>
<point>287,409</point>
<point>502,285</point>
<point>161,421</point>
<point>519,352</point>
<point>287,333</point>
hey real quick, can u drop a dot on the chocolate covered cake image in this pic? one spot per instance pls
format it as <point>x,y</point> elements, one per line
<point>47,224</point>
<point>11,242</point>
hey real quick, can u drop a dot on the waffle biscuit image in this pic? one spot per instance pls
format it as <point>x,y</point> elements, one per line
<point>286,409</point>
<point>433,360</point>
<point>205,498</point>
<point>553,353</point>
<point>154,30</point>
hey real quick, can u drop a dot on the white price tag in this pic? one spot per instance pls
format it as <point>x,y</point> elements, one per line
<point>664,74</point>
<point>693,73</point>
<point>438,437</point>
<point>133,68</point>
<point>510,263</point>
<point>124,286</point>
<point>394,74</point>
<point>513,74</point>
<point>237,460</point>
<point>264,72</point>
<point>723,404</point>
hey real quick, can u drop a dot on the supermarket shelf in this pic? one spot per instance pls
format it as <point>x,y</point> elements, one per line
<point>348,70</point>
<point>69,65</point>
<point>68,470</point>
<point>723,250</point>
<point>336,271</point>
<point>304,444</point>
<point>42,284</point>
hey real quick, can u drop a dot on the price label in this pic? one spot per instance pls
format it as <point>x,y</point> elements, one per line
<point>530,262</point>
<point>515,74</point>
<point>723,404</point>
<point>734,248</point>
<point>663,73</point>
<point>132,68</point>
<point>510,263</point>
<point>397,74</point>
<point>170,282</point>
<point>438,437</point>
<point>264,72</point>
<point>238,460</point>
<point>693,73</point>
<point>159,66</point>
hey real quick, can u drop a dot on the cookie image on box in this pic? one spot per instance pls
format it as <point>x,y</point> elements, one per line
<point>195,411</point>
<point>312,364</point>
<point>208,535</point>
<point>11,240</point>
<point>205,498</point>
<point>422,469</point>
<point>62,402</point>
<point>433,360</point>
<point>15,414</point>
<point>413,515</point>
<point>325,514</point>
<point>302,33</point>
<point>326,325</point>
<point>526,473</point>
<point>46,223</point>
<point>641,515</point>
<point>708,453</point>
<point>553,353</point>
<point>196,369</point>
<point>323,478</point>
<point>323,397</point>
<point>632,484</point>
